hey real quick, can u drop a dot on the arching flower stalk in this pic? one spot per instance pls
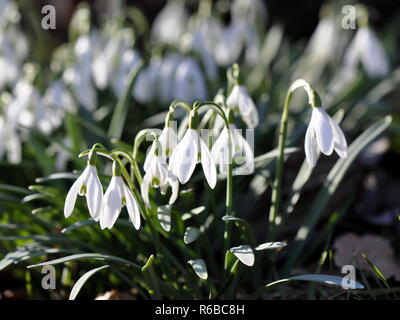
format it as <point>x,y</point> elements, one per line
<point>323,134</point>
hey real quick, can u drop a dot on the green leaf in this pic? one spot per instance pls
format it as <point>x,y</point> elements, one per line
<point>193,212</point>
<point>148,264</point>
<point>245,254</point>
<point>82,280</point>
<point>332,182</point>
<point>376,270</point>
<point>319,278</point>
<point>79,224</point>
<point>164,216</point>
<point>56,176</point>
<point>26,252</point>
<point>199,266</point>
<point>270,245</point>
<point>82,256</point>
<point>326,279</point>
<point>191,235</point>
<point>121,109</point>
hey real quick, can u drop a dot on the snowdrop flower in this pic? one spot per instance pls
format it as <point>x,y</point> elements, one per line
<point>241,148</point>
<point>88,184</point>
<point>11,142</point>
<point>189,151</point>
<point>229,45</point>
<point>167,72</point>
<point>170,23</point>
<point>104,54</point>
<point>158,176</point>
<point>80,75</point>
<point>116,196</point>
<point>57,95</point>
<point>323,134</point>
<point>146,82</point>
<point>240,99</point>
<point>189,81</point>
<point>130,59</point>
<point>367,49</point>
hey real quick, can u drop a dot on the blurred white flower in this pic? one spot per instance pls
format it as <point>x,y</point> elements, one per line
<point>28,110</point>
<point>241,151</point>
<point>11,142</point>
<point>80,74</point>
<point>323,134</point>
<point>367,49</point>
<point>128,61</point>
<point>88,184</point>
<point>239,99</point>
<point>147,82</point>
<point>104,54</point>
<point>229,44</point>
<point>189,81</point>
<point>166,77</point>
<point>187,154</point>
<point>170,23</point>
<point>58,96</point>
<point>116,196</point>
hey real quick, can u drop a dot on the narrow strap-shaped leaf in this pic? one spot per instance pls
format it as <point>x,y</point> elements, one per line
<point>121,109</point>
<point>82,280</point>
<point>82,256</point>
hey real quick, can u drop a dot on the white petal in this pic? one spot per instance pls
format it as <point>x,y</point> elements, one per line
<point>144,189</point>
<point>168,140</point>
<point>208,165</point>
<point>71,197</point>
<point>132,207</point>
<point>340,143</point>
<point>112,204</point>
<point>186,158</point>
<point>323,130</point>
<point>173,181</point>
<point>246,151</point>
<point>219,151</point>
<point>149,158</point>
<point>94,195</point>
<point>310,146</point>
<point>233,98</point>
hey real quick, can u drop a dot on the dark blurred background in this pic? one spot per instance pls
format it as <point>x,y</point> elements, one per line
<point>299,17</point>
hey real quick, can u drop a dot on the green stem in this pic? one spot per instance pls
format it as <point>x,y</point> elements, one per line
<point>229,177</point>
<point>274,217</point>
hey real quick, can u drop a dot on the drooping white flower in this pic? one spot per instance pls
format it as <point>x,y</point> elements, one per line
<point>58,97</point>
<point>229,45</point>
<point>129,61</point>
<point>242,151</point>
<point>116,196</point>
<point>367,49</point>
<point>80,74</point>
<point>240,99</point>
<point>147,81</point>
<point>11,142</point>
<point>158,176</point>
<point>88,184</point>
<point>189,81</point>
<point>170,23</point>
<point>323,135</point>
<point>189,151</point>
